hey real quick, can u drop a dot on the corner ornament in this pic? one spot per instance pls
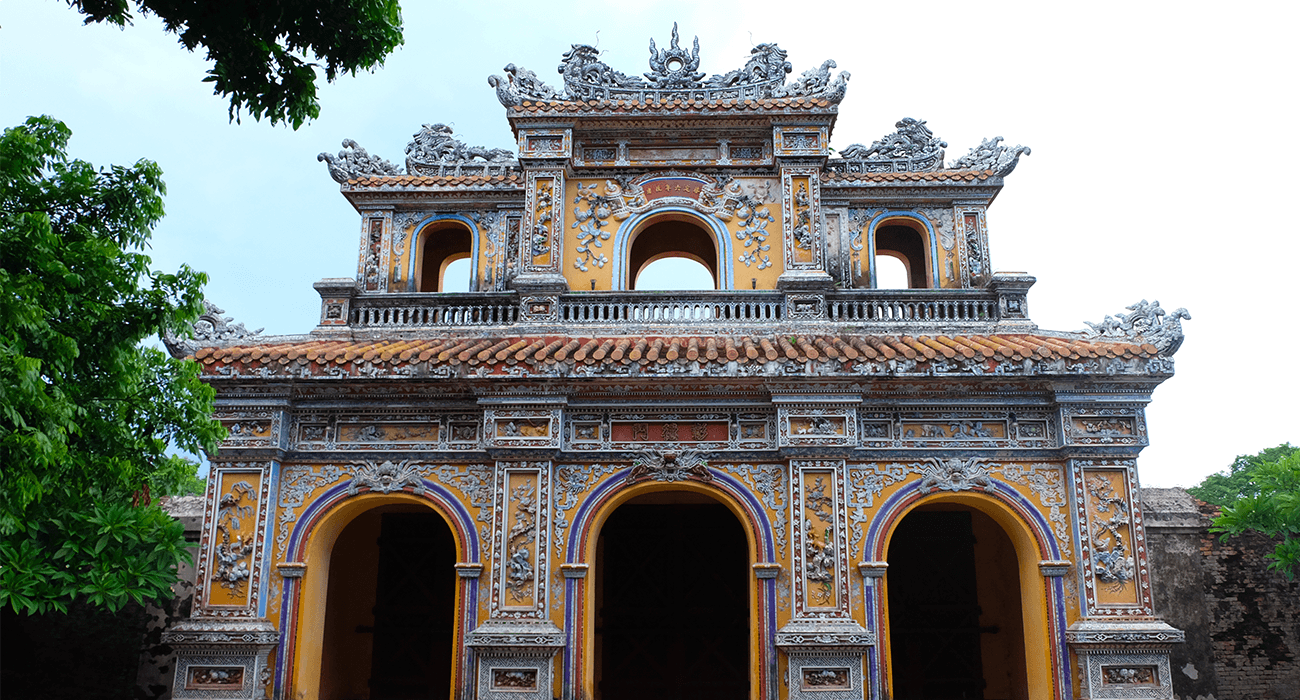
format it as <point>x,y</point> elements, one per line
<point>1148,323</point>
<point>991,155</point>
<point>355,162</point>
<point>212,326</point>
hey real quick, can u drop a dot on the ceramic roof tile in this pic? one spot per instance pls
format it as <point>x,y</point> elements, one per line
<point>661,350</point>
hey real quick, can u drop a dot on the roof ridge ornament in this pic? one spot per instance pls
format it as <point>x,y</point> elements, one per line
<point>210,328</point>
<point>674,66</point>
<point>1147,323</point>
<point>433,146</point>
<point>673,76</point>
<point>912,148</point>
<point>991,155</point>
<point>355,162</point>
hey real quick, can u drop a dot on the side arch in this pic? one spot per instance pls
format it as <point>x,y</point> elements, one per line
<point>580,546</point>
<point>303,603</point>
<point>916,221</point>
<point>1042,598</point>
<point>429,225</point>
<point>629,229</point>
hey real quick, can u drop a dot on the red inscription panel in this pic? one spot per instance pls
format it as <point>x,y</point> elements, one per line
<point>669,431</point>
<point>661,187</point>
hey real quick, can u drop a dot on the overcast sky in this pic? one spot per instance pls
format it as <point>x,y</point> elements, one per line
<point>1161,165</point>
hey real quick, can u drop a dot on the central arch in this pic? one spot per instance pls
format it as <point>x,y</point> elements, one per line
<point>671,231</point>
<point>672,615</point>
<point>587,524</point>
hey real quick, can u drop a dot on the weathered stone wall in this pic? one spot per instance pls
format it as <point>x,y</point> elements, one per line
<point>1242,620</point>
<point>158,660</point>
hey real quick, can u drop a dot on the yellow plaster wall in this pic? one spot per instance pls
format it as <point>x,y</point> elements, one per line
<point>1041,484</point>
<point>743,277</point>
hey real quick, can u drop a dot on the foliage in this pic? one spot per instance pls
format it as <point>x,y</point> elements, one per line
<point>1273,509</point>
<point>265,52</point>
<point>86,411</point>
<point>1225,488</point>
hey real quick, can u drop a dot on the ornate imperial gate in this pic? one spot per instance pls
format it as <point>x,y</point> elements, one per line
<point>816,407</point>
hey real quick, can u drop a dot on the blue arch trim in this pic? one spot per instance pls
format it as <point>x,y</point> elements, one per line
<point>1021,505</point>
<point>338,493</point>
<point>419,242</point>
<point>623,240</point>
<point>902,214</point>
<point>763,539</point>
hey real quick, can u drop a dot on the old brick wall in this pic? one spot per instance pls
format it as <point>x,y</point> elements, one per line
<point>158,660</point>
<point>1242,620</point>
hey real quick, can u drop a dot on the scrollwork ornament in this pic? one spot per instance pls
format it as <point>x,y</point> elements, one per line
<point>590,222</point>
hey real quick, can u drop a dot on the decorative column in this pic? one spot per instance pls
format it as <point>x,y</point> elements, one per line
<point>544,155</point>
<point>801,152</point>
<point>1123,649</point>
<point>515,647</point>
<point>824,645</point>
<point>374,260</point>
<point>222,650</point>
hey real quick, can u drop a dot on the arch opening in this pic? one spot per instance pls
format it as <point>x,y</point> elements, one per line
<point>892,272</point>
<point>390,607</point>
<point>956,622</point>
<point>671,600</point>
<point>441,247</point>
<point>669,243</point>
<point>906,241</point>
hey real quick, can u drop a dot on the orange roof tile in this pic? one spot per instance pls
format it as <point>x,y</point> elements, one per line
<point>660,350</point>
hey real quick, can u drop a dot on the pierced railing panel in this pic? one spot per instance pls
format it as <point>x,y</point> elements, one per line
<point>938,307</point>
<point>663,309</point>
<point>910,310</point>
<point>434,311</point>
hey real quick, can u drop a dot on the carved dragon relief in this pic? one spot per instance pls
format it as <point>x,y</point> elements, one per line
<point>212,326</point>
<point>1147,323</point>
<point>432,151</point>
<point>914,148</point>
<point>673,75</point>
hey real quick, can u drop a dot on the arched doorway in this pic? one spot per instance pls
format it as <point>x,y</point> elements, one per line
<point>390,607</point>
<point>441,244</point>
<point>956,627</point>
<point>904,240</point>
<point>671,600</point>
<point>672,236</point>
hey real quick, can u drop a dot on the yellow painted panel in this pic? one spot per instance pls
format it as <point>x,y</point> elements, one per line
<point>234,538</point>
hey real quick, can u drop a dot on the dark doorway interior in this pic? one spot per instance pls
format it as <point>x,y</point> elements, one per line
<point>934,608</point>
<point>955,621</point>
<point>414,608</point>
<point>390,607</point>
<point>672,609</point>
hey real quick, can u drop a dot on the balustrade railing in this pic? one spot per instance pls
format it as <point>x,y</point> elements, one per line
<point>878,309</point>
<point>434,310</point>
<point>668,309</point>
